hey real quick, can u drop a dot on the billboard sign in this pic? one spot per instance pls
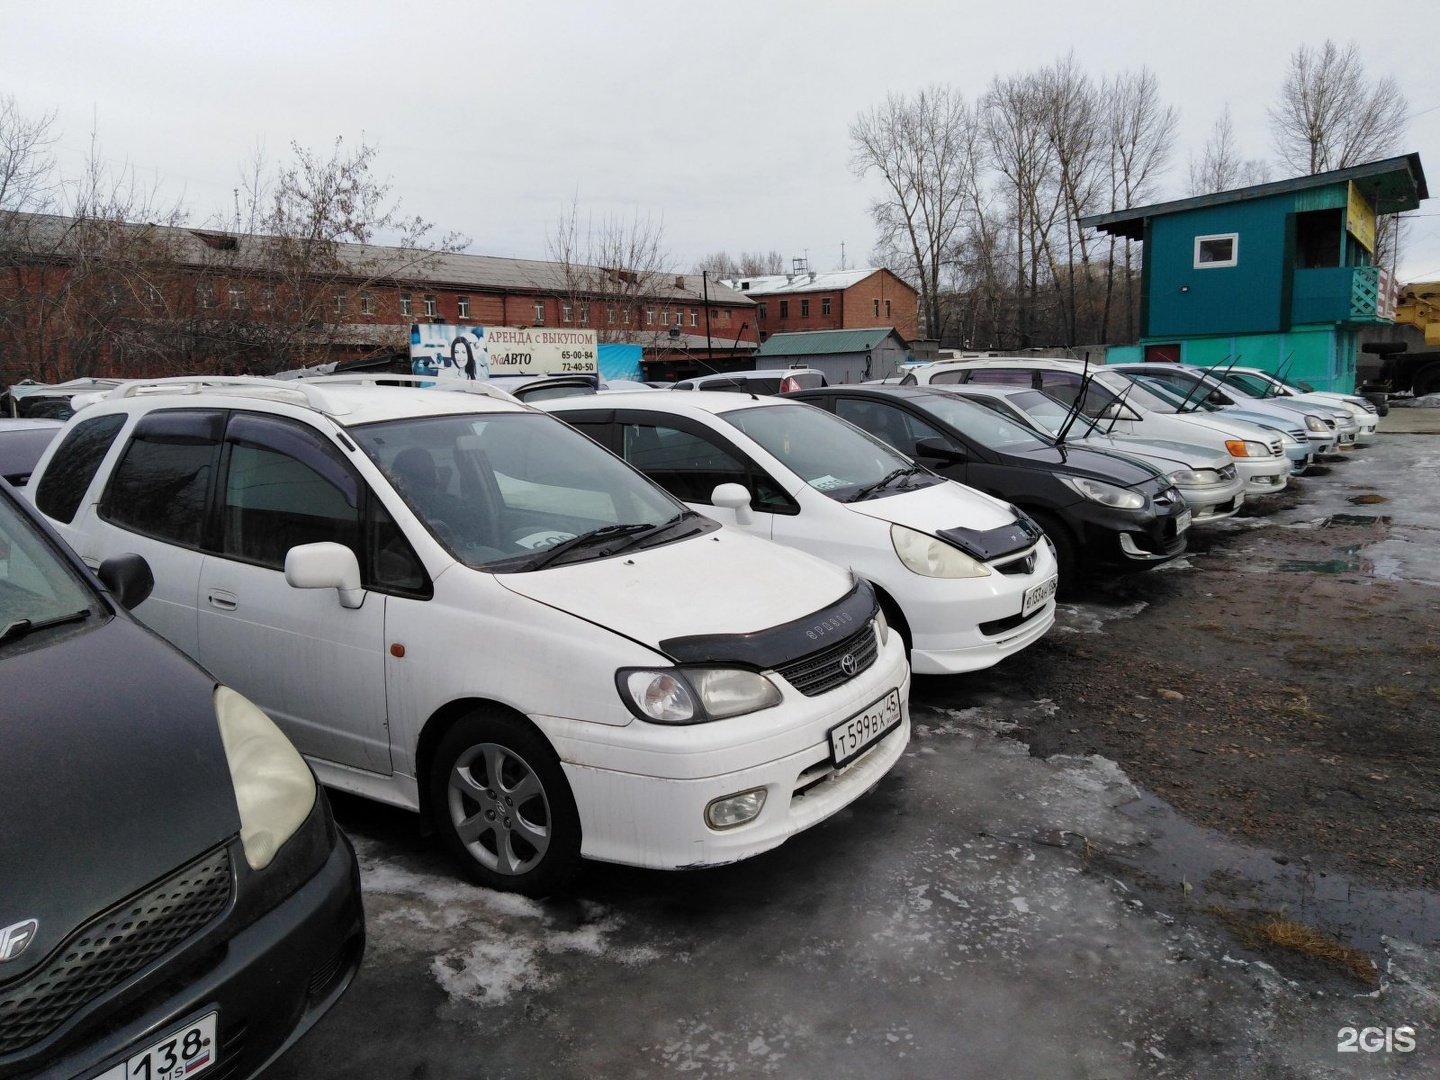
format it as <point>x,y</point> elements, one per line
<point>1360,218</point>
<point>477,352</point>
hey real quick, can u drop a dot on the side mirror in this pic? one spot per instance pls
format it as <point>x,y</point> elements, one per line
<point>939,448</point>
<point>734,497</point>
<point>325,566</point>
<point>128,578</point>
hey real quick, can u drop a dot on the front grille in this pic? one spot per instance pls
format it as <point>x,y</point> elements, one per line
<point>824,670</point>
<point>112,947</point>
<point>1025,564</point>
<point>1277,447</point>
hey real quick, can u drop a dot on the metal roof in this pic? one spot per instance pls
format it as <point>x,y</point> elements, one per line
<point>821,342</point>
<point>805,281</point>
<point>219,250</point>
<point>1392,185</point>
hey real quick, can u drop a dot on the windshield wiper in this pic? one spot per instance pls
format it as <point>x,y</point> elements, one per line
<point>604,532</point>
<point>21,627</point>
<point>889,478</point>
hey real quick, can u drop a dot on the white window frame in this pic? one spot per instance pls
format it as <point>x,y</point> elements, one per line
<point>432,306</point>
<point>367,304</point>
<point>1234,259</point>
<point>406,305</point>
<point>463,304</point>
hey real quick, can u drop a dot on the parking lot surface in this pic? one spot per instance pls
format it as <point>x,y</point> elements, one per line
<point>1029,893</point>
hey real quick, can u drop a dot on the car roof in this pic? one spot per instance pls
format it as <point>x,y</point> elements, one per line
<point>346,399</point>
<point>1049,363</point>
<point>696,402</point>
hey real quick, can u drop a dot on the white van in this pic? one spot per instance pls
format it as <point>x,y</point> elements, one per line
<point>456,604</point>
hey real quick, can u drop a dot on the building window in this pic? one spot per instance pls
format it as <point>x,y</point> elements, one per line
<point>805,309</point>
<point>584,314</point>
<point>432,309</point>
<point>154,297</point>
<point>784,309</point>
<point>340,303</point>
<point>567,312</point>
<point>1212,252</point>
<point>405,307</point>
<point>237,298</point>
<point>887,309</point>
<point>267,296</point>
<point>627,312</point>
<point>610,314</point>
<point>760,312</point>
<point>649,316</point>
<point>367,304</point>
<point>205,294</point>
<point>539,313</point>
<point>877,307</point>
<point>825,306</point>
<point>463,304</point>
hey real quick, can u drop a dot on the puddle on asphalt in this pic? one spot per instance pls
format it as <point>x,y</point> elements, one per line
<point>1340,521</point>
<point>1239,877</point>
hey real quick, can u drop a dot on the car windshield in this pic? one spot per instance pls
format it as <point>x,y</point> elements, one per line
<point>502,490</point>
<point>1046,411</point>
<point>1157,397</point>
<point>830,455</point>
<point>1254,385</point>
<point>38,588</point>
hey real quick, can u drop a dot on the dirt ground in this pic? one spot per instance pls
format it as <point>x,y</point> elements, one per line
<point>1276,692</point>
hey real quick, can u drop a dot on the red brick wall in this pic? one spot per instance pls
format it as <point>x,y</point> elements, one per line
<point>850,309</point>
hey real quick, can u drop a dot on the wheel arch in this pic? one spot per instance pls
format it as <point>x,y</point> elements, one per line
<point>440,722</point>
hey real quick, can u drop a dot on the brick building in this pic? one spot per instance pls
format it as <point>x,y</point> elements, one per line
<point>832,300</point>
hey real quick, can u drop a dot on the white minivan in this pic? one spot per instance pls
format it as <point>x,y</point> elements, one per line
<point>456,604</point>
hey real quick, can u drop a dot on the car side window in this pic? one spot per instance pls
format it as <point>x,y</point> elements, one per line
<point>1002,376</point>
<point>896,426</point>
<point>162,481</point>
<point>956,376</point>
<point>284,487</point>
<point>74,464</point>
<point>691,466</point>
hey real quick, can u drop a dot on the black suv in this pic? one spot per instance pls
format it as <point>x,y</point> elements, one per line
<point>1100,509</point>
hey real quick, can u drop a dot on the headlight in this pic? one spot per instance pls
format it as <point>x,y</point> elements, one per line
<point>1243,448</point>
<point>929,556</point>
<point>1314,423</point>
<point>274,788</point>
<point>1195,477</point>
<point>695,695</point>
<point>1111,495</point>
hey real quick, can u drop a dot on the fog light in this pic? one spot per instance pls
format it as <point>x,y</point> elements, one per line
<point>735,810</point>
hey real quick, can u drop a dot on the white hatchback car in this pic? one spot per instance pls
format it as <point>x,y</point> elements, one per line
<point>966,578</point>
<point>454,603</point>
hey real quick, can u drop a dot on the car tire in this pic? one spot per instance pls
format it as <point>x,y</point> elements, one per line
<point>502,805</point>
<point>1063,542</point>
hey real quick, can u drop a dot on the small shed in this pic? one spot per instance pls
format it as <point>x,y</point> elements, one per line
<point>845,356</point>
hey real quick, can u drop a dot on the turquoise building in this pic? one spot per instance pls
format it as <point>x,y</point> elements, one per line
<point>1278,275</point>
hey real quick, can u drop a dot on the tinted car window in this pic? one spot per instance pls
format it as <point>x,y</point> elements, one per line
<point>36,587</point>
<point>160,486</point>
<point>691,466</point>
<point>74,465</point>
<point>895,426</point>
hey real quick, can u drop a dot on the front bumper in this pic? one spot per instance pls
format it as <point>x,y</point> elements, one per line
<point>269,983</point>
<point>650,812</point>
<point>1215,502</point>
<point>1130,540</point>
<point>1264,476</point>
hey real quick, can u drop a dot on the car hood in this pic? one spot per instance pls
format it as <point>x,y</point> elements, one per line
<point>1190,455</point>
<point>1226,425</point>
<point>938,506</point>
<point>109,781</point>
<point>1093,463</point>
<point>724,582</point>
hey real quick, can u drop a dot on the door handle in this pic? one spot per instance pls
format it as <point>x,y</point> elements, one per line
<point>225,601</point>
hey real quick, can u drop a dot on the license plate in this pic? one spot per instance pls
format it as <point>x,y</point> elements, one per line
<point>1038,594</point>
<point>851,739</point>
<point>183,1053</point>
<point>1182,522</point>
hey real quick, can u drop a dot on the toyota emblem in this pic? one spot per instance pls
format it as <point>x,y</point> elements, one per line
<point>848,664</point>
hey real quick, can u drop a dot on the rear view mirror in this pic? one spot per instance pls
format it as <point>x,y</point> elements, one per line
<point>325,566</point>
<point>939,448</point>
<point>733,497</point>
<point>128,578</point>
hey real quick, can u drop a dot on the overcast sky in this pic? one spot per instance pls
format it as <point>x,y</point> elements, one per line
<point>726,122</point>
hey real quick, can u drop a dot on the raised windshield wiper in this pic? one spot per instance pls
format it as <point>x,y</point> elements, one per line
<point>889,478</point>
<point>21,627</point>
<point>604,532</point>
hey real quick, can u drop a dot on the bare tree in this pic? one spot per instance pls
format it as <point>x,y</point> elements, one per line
<point>606,269</point>
<point>1330,116</point>
<point>720,265</point>
<point>27,169</point>
<point>1141,136</point>
<point>1221,166</point>
<point>921,147</point>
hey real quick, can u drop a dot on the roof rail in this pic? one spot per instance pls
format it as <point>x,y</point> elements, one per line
<point>241,385</point>
<point>385,378</point>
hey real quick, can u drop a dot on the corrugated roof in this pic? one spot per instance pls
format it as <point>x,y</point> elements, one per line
<point>808,281</point>
<point>820,342</point>
<point>1392,186</point>
<point>217,249</point>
